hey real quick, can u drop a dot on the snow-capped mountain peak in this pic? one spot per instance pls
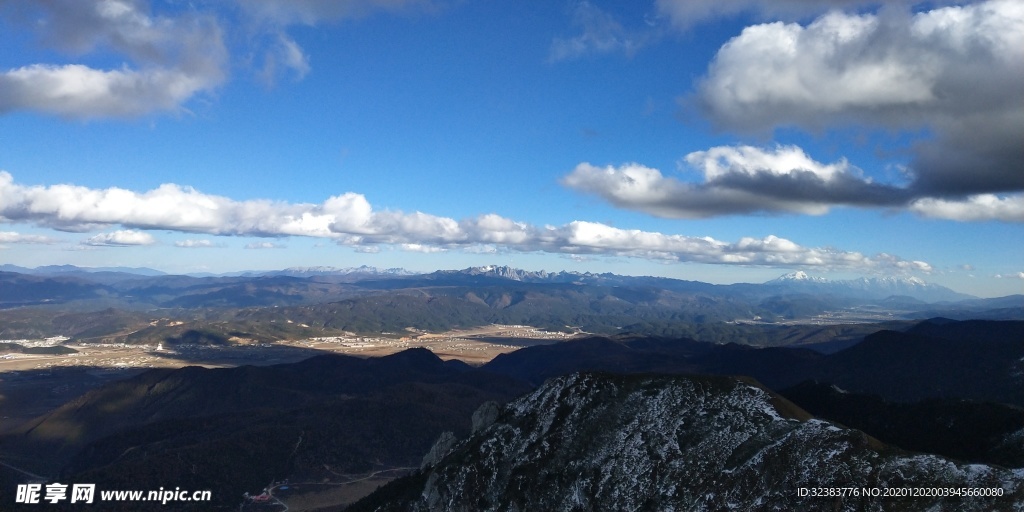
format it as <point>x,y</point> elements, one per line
<point>798,276</point>
<point>870,287</point>
<point>656,443</point>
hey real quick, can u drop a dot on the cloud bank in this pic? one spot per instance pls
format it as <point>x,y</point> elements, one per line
<point>738,180</point>
<point>350,220</point>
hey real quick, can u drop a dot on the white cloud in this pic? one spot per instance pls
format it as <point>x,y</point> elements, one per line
<point>982,207</point>
<point>427,249</point>
<point>121,238</point>
<point>891,261</point>
<point>11,237</point>
<point>721,161</point>
<point>263,245</point>
<point>349,219</point>
<point>1018,275</point>
<point>169,58</point>
<point>77,91</point>
<point>895,70</point>
<point>582,238</point>
<point>195,244</point>
<point>76,208</point>
<point>577,258</point>
<point>955,71</point>
<point>495,229</point>
<point>737,180</point>
<point>174,58</point>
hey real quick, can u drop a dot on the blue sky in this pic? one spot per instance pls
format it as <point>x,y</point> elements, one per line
<point>721,141</point>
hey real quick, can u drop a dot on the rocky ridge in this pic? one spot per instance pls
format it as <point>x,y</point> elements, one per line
<point>596,441</point>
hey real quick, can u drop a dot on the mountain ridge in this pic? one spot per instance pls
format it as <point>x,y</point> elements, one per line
<point>879,287</point>
<point>596,441</point>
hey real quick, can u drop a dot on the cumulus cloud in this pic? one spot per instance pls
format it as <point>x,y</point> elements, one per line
<point>121,238</point>
<point>195,244</point>
<point>77,91</point>
<point>11,237</point>
<point>737,180</point>
<point>599,33</point>
<point>892,70</point>
<point>350,220</point>
<point>954,71</point>
<point>173,58</point>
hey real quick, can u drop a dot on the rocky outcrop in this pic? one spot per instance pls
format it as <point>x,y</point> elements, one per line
<point>604,442</point>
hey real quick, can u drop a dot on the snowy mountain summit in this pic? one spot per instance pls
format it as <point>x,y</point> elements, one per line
<point>598,442</point>
<point>799,277</point>
<point>527,276</point>
<point>867,287</point>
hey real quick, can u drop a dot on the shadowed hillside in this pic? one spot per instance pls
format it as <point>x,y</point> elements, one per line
<point>611,442</point>
<point>235,429</point>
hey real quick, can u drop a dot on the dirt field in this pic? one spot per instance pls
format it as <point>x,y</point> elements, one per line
<point>474,346</point>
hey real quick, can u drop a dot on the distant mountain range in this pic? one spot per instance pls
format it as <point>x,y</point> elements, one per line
<point>864,287</point>
<point>363,270</point>
<point>72,269</point>
<point>317,301</point>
